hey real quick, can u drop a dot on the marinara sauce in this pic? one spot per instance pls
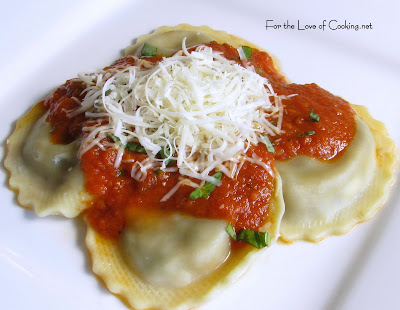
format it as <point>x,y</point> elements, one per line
<point>242,201</point>
<point>302,135</point>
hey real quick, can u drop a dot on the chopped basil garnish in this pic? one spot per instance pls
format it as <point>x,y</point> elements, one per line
<point>247,51</point>
<point>148,51</point>
<point>164,153</point>
<point>158,172</point>
<point>130,146</point>
<point>135,147</point>
<point>112,137</point>
<point>231,231</point>
<point>206,189</point>
<point>197,193</point>
<point>265,139</point>
<point>255,238</point>
<point>308,133</point>
<point>170,162</point>
<point>313,116</point>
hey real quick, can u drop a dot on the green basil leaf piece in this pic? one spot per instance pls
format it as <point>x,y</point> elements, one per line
<point>231,231</point>
<point>268,143</point>
<point>164,153</point>
<point>135,147</point>
<point>314,117</point>
<point>247,51</point>
<point>112,137</point>
<point>257,239</point>
<point>206,189</point>
<point>308,133</point>
<point>148,51</point>
<point>197,193</point>
<point>170,162</point>
<point>157,172</point>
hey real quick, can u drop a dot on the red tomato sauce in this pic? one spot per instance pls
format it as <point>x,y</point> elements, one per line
<point>325,139</point>
<point>242,201</point>
<point>333,132</point>
<point>63,128</point>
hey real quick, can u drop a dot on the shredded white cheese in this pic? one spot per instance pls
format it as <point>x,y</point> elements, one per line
<point>207,109</point>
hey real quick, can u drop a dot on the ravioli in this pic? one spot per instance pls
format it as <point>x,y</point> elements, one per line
<point>115,263</point>
<point>47,176</point>
<point>174,250</point>
<point>324,198</point>
<point>169,42</point>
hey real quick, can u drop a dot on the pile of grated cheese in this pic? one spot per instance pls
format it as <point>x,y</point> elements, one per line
<point>208,110</point>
